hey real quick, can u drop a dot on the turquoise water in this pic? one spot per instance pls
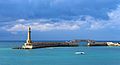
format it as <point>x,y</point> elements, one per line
<point>58,56</point>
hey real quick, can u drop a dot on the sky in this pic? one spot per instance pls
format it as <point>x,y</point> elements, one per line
<point>60,19</point>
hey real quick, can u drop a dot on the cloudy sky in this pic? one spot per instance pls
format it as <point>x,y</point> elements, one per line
<point>60,19</point>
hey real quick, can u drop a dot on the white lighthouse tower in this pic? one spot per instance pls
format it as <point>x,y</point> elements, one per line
<point>28,44</point>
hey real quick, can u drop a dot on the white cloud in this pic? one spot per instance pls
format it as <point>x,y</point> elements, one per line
<point>17,27</point>
<point>96,25</point>
<point>21,20</point>
<point>48,24</point>
<point>44,26</point>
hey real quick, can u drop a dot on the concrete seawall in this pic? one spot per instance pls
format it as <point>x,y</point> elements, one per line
<point>53,44</point>
<point>98,44</point>
<point>50,44</point>
<point>35,45</point>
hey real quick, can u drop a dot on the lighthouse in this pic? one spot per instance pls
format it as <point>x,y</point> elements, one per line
<point>29,36</point>
<point>28,44</point>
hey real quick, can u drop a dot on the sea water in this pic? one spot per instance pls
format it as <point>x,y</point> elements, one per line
<point>99,55</point>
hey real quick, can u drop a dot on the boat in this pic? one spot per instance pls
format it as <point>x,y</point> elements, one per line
<point>79,53</point>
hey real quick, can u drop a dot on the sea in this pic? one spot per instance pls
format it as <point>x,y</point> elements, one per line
<point>97,55</point>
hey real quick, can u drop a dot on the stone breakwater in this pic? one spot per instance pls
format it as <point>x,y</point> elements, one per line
<point>49,44</point>
<point>104,44</point>
<point>73,43</point>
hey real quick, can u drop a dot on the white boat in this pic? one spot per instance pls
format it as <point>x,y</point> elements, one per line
<point>79,53</point>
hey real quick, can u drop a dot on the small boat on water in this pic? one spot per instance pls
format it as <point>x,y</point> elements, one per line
<point>80,53</point>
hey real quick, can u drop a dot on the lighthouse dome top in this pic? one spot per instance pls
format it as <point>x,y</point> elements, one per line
<point>29,28</point>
